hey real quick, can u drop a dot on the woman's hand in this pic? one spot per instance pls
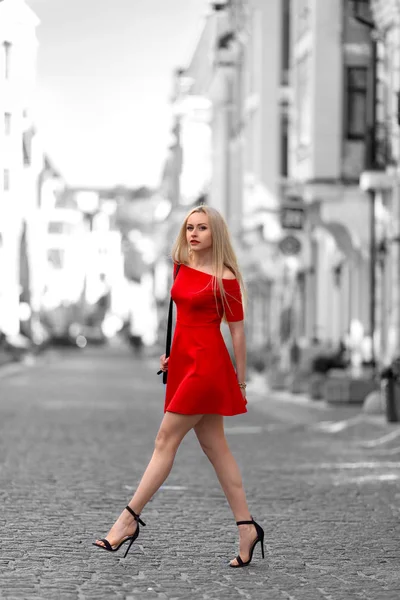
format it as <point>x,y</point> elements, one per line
<point>164,363</point>
<point>243,393</point>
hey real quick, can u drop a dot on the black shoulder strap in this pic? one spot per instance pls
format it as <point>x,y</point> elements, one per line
<point>169,326</point>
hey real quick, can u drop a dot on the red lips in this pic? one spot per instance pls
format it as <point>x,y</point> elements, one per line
<point>194,242</point>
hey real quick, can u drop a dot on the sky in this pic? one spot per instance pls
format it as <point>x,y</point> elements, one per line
<point>104,81</point>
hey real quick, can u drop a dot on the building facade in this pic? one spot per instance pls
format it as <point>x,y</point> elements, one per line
<point>18,45</point>
<point>385,185</point>
<point>259,145</point>
<point>293,130</point>
<point>330,57</point>
<point>248,93</point>
<point>42,184</point>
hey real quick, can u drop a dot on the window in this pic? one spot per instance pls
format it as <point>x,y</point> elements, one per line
<point>284,167</point>
<point>55,227</point>
<point>356,121</point>
<point>285,42</point>
<point>303,101</point>
<point>7,59</point>
<point>61,227</point>
<point>6,180</point>
<point>56,257</point>
<point>7,123</point>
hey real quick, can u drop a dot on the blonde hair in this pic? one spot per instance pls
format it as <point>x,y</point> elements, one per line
<point>223,254</point>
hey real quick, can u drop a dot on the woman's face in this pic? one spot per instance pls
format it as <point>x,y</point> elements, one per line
<point>198,233</point>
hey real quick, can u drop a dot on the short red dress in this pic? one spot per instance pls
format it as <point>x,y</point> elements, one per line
<point>201,376</point>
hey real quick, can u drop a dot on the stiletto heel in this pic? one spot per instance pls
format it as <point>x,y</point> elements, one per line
<point>129,547</point>
<point>259,538</point>
<point>262,546</point>
<point>130,538</point>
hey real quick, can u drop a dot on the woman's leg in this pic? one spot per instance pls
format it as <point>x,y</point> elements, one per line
<point>173,429</point>
<point>211,435</point>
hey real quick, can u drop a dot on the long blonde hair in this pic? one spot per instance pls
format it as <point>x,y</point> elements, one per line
<point>223,254</point>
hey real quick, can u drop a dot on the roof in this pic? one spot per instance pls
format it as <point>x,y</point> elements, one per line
<point>18,10</point>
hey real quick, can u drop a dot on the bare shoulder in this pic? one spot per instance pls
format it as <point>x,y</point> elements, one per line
<point>227,274</point>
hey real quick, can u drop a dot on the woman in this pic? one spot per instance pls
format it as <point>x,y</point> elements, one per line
<point>202,384</point>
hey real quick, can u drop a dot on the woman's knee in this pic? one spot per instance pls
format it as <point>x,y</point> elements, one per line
<point>213,447</point>
<point>165,440</point>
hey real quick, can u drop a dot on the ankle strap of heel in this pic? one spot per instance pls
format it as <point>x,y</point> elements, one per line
<point>135,516</point>
<point>245,522</point>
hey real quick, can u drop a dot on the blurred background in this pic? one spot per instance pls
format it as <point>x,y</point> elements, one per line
<point>117,118</point>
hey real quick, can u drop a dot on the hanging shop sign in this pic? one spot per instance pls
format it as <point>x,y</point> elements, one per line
<point>292,217</point>
<point>290,245</point>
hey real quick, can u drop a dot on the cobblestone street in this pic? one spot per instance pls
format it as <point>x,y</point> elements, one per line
<point>76,433</point>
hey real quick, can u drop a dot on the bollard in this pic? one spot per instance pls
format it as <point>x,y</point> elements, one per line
<point>391,387</point>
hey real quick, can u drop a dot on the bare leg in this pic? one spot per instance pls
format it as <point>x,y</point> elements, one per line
<point>211,435</point>
<point>173,429</point>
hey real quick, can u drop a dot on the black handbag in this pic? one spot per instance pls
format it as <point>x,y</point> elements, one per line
<point>169,332</point>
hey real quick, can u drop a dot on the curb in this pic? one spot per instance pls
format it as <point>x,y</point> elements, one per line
<point>259,391</point>
<point>15,367</point>
<point>331,418</point>
<point>11,368</point>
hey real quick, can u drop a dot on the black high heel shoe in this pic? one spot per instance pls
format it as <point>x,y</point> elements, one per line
<point>260,538</point>
<point>130,538</point>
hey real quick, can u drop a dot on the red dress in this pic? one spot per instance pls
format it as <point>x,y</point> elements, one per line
<point>201,376</point>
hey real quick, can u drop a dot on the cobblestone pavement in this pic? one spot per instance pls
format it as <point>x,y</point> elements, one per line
<point>77,431</point>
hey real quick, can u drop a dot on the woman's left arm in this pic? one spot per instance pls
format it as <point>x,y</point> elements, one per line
<point>239,348</point>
